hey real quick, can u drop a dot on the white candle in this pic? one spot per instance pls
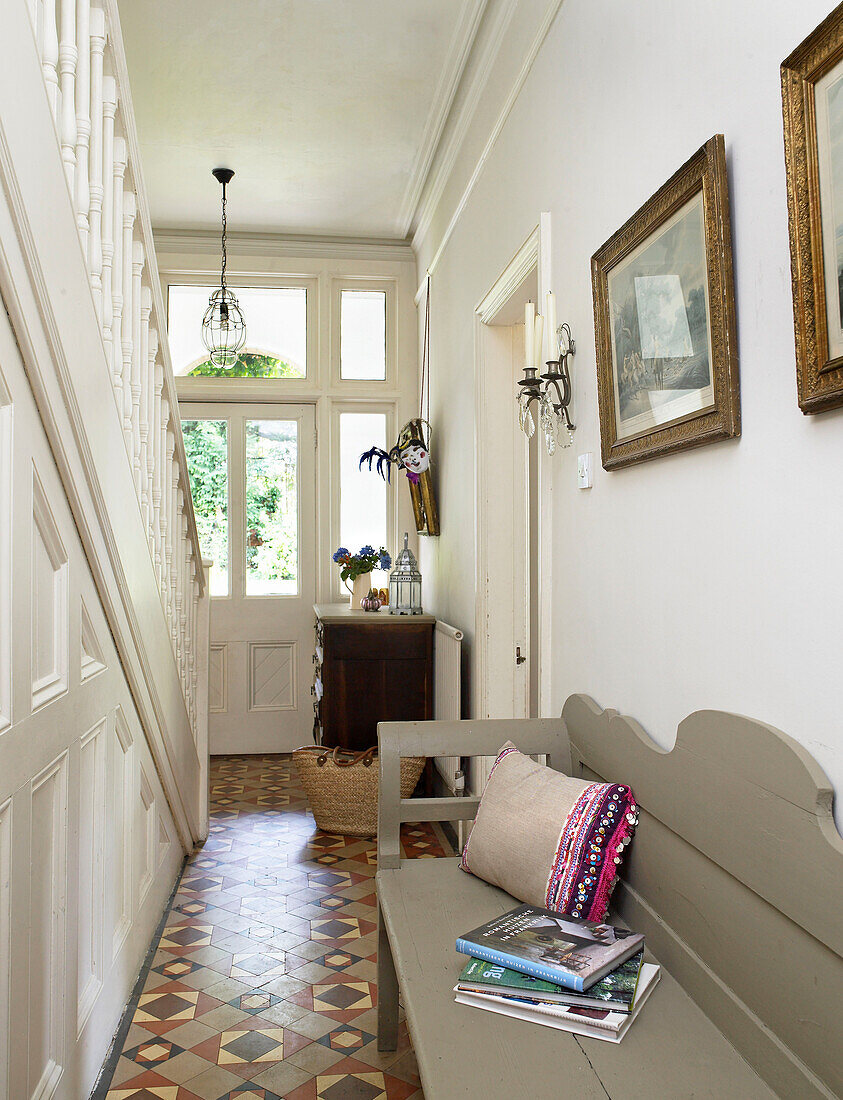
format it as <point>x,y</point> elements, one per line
<point>529,326</point>
<point>537,352</point>
<point>552,342</point>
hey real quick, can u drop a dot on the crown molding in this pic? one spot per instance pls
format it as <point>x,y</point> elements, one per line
<point>207,242</point>
<point>462,43</point>
<point>506,107</point>
<point>447,152</point>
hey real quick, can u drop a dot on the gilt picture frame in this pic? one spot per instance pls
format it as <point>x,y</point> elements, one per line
<point>812,109</point>
<point>664,319</point>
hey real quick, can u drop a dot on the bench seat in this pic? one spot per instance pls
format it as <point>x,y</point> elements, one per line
<point>672,1049</point>
<point>734,877</point>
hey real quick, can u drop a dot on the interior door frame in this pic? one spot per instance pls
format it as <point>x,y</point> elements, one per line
<point>533,258</point>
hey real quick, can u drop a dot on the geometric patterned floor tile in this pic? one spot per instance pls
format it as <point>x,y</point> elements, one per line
<point>336,928</point>
<point>251,1091</point>
<point>346,1039</point>
<point>259,920</point>
<point>177,968</point>
<point>338,960</point>
<point>255,1001</point>
<point>177,938</point>
<point>343,997</point>
<point>152,1053</point>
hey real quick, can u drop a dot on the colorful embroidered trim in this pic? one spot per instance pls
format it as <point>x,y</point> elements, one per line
<point>464,858</point>
<point>584,870</point>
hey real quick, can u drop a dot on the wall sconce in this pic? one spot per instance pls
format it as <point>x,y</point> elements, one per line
<point>551,390</point>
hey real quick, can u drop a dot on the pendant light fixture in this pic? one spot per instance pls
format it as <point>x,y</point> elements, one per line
<point>223,327</point>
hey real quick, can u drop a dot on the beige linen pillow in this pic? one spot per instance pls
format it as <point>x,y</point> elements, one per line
<point>548,839</point>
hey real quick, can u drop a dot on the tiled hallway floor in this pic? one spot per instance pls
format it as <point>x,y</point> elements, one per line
<point>263,983</point>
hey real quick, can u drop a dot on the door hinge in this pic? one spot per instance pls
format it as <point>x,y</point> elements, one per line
<point>315,439</point>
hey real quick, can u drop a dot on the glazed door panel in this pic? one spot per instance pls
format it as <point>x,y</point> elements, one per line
<point>253,473</point>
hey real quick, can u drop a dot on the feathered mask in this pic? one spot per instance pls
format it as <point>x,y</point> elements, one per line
<point>411,452</point>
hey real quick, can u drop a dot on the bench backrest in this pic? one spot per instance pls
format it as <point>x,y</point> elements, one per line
<point>482,737</point>
<point>736,878</point>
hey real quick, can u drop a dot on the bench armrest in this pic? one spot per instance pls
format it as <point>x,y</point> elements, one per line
<point>481,737</point>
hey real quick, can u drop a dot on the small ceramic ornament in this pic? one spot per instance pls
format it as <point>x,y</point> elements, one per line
<point>372,601</point>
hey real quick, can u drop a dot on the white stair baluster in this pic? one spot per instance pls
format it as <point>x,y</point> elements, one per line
<point>194,683</point>
<point>178,559</point>
<point>186,605</point>
<point>82,194</point>
<point>138,359</point>
<point>170,496</point>
<point>143,401</point>
<point>119,169</point>
<point>129,212</point>
<point>109,109</point>
<point>95,188</point>
<point>67,76</point>
<point>158,439</point>
<point>48,41</point>
<point>147,421</point>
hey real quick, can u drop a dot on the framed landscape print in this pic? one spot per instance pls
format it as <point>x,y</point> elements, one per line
<point>664,318</point>
<point>812,102</point>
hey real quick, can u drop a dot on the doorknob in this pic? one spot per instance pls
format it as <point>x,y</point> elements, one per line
<point>519,660</point>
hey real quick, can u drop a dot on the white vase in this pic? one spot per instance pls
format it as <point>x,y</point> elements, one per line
<point>360,588</point>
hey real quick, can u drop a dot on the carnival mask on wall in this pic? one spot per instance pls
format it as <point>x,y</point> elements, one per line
<point>410,452</point>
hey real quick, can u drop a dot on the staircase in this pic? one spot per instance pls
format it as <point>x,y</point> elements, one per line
<point>103,591</point>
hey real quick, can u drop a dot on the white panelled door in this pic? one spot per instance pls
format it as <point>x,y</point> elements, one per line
<point>253,474</point>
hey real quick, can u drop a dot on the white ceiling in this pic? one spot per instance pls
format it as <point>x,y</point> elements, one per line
<point>327,110</point>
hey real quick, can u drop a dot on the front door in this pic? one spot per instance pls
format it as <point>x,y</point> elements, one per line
<point>253,473</point>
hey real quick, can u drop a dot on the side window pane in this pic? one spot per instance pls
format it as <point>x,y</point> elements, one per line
<point>276,332</point>
<point>363,335</point>
<point>363,514</point>
<point>272,535</point>
<point>206,444</point>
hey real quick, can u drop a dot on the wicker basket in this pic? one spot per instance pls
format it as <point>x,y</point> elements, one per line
<point>342,787</point>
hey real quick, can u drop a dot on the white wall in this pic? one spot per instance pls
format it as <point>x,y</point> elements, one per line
<point>708,579</point>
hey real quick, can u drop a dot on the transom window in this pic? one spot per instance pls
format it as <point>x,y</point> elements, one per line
<point>276,332</point>
<point>363,335</point>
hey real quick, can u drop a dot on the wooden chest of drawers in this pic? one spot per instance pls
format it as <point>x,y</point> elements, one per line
<point>369,668</point>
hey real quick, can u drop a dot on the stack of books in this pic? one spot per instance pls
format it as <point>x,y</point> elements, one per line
<point>560,971</point>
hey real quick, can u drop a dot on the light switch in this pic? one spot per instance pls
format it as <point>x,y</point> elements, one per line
<point>584,471</point>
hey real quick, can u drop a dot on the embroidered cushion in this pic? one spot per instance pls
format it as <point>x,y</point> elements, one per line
<point>548,839</point>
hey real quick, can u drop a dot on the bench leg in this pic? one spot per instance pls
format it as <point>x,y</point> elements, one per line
<point>387,991</point>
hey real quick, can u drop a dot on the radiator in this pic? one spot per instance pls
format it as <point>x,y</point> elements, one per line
<point>447,690</point>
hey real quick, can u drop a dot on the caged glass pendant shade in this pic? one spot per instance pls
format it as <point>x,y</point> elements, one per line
<point>405,584</point>
<point>223,326</point>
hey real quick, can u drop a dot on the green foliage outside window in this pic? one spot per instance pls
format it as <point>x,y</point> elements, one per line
<point>206,445</point>
<point>271,506</point>
<point>251,364</point>
<point>271,500</point>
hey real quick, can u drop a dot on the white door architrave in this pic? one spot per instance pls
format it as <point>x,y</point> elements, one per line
<point>512,532</point>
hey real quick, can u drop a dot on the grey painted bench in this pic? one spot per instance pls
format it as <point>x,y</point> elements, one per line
<point>735,876</point>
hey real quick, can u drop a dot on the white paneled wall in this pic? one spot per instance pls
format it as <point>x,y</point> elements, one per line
<point>88,852</point>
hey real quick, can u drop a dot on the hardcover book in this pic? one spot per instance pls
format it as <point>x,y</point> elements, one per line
<point>554,947</point>
<point>597,1023</point>
<point>615,991</point>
